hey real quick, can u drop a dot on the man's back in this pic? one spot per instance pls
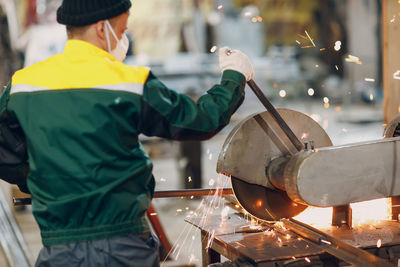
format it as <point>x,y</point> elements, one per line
<point>80,111</point>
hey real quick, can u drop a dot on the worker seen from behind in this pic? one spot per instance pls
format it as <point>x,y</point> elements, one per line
<point>81,113</point>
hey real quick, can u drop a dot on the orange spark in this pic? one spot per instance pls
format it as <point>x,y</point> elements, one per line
<point>302,36</point>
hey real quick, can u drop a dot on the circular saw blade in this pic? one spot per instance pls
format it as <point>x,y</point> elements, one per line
<point>392,129</point>
<point>265,203</point>
<point>249,149</point>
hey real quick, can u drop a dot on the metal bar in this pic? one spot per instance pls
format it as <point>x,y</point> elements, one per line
<point>278,118</point>
<point>157,194</point>
<point>22,201</point>
<point>209,255</point>
<point>335,247</point>
<point>192,192</point>
<point>159,230</point>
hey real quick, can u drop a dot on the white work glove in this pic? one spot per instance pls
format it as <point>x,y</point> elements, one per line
<point>235,60</point>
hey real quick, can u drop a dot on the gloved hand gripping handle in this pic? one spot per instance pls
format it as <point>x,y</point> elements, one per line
<point>268,105</point>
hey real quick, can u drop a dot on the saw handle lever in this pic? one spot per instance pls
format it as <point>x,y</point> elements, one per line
<point>278,118</point>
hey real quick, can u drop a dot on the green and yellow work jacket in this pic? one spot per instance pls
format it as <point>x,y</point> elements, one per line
<point>82,112</point>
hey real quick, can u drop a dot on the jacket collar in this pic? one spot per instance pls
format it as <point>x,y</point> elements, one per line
<point>79,48</point>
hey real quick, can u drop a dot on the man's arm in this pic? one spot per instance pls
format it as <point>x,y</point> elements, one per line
<point>13,156</point>
<point>167,114</point>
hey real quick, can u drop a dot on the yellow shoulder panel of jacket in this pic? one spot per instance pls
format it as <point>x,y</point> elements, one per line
<point>63,72</point>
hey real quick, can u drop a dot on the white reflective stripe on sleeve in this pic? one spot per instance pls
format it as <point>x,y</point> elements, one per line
<point>24,88</point>
<point>135,88</point>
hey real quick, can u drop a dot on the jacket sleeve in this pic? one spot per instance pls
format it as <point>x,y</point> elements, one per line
<point>168,114</point>
<point>13,155</point>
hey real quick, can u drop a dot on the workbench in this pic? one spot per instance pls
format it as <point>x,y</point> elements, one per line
<point>269,245</point>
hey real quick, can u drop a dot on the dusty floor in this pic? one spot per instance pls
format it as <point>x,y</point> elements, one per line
<point>343,125</point>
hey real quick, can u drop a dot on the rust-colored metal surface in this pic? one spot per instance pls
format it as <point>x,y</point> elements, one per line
<point>396,208</point>
<point>342,216</point>
<point>335,246</point>
<point>234,238</point>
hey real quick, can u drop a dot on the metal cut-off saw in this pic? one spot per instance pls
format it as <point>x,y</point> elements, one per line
<point>281,161</point>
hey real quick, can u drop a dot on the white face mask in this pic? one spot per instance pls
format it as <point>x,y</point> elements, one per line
<point>120,50</point>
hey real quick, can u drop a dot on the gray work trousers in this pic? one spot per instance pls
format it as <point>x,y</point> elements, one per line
<point>129,250</point>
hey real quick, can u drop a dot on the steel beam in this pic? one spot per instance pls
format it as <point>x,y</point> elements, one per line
<point>335,247</point>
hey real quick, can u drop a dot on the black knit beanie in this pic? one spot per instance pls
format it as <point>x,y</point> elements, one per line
<point>86,12</point>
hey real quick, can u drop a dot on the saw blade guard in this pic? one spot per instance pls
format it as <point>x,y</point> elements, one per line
<point>249,149</point>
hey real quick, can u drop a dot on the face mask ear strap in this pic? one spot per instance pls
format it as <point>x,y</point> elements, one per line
<point>107,37</point>
<point>112,30</point>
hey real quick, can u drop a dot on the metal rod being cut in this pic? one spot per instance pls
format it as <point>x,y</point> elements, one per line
<point>192,192</point>
<point>158,194</point>
<point>278,118</point>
